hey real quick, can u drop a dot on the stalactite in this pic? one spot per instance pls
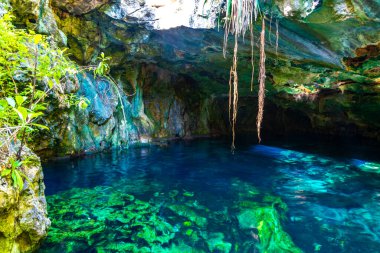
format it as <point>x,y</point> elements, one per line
<point>260,112</point>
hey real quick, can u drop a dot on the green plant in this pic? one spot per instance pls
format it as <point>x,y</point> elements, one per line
<point>103,68</point>
<point>77,101</point>
<point>14,170</point>
<point>25,121</point>
<point>31,70</point>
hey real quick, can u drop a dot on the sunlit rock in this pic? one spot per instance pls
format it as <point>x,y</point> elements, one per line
<point>79,7</point>
<point>23,216</point>
<point>165,14</point>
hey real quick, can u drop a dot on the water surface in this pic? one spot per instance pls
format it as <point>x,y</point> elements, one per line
<point>199,197</point>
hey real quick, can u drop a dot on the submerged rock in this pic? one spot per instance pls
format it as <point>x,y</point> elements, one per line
<point>111,219</point>
<point>270,235</point>
<point>216,243</point>
<point>366,166</point>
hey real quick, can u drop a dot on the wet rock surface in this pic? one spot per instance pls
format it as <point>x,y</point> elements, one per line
<point>324,73</point>
<point>79,7</point>
<point>23,216</point>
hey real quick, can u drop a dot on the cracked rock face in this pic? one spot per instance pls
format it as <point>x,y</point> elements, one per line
<point>154,14</point>
<point>23,216</point>
<point>79,7</point>
<point>324,71</point>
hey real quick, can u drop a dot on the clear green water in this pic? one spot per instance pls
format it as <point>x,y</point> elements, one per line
<point>198,197</point>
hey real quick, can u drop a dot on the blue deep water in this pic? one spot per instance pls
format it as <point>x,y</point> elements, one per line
<point>332,194</point>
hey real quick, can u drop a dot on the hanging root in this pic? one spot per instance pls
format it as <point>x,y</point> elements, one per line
<point>234,92</point>
<point>230,96</point>
<point>252,55</point>
<point>277,35</point>
<point>261,81</point>
<point>240,15</point>
<point>270,28</point>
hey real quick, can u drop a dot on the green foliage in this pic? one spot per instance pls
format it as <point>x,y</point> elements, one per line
<point>103,68</point>
<point>31,70</point>
<point>77,101</point>
<point>14,171</point>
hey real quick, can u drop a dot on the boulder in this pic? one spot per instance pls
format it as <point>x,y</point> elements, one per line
<point>23,216</point>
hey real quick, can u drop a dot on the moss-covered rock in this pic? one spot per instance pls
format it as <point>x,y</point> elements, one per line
<point>37,15</point>
<point>322,79</point>
<point>111,219</point>
<point>23,216</point>
<point>271,236</point>
<point>79,7</point>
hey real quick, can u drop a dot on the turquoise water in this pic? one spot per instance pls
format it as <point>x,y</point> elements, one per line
<point>199,197</point>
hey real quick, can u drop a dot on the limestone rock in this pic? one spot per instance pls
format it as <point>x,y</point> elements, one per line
<point>166,14</point>
<point>298,8</point>
<point>37,15</point>
<point>23,216</point>
<point>79,7</point>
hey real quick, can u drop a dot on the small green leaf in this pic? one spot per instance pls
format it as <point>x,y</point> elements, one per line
<point>50,83</point>
<point>39,107</point>
<point>20,181</point>
<point>14,178</point>
<point>5,172</point>
<point>11,101</point>
<point>22,113</point>
<point>3,103</point>
<point>41,126</point>
<point>24,176</point>
<point>15,163</point>
<point>20,100</point>
<point>82,104</point>
<point>35,115</point>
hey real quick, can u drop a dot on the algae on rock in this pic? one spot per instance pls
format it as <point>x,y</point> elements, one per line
<point>23,217</point>
<point>111,219</point>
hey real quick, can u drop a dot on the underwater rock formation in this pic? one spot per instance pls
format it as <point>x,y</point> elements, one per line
<point>23,216</point>
<point>116,218</point>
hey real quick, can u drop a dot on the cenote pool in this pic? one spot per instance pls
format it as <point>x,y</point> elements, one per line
<point>199,197</point>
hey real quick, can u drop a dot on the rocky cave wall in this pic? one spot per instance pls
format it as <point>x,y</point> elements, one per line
<point>324,78</point>
<point>173,80</point>
<point>23,215</point>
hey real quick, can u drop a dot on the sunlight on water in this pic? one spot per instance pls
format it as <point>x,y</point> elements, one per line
<point>198,197</point>
<point>366,166</point>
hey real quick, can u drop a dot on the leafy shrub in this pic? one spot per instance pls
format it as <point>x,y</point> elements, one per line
<point>31,70</point>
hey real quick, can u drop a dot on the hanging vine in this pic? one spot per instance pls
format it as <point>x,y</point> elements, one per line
<point>240,17</point>
<point>260,112</point>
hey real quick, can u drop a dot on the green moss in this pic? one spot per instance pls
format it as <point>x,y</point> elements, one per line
<point>216,243</point>
<point>292,75</point>
<point>190,214</point>
<point>271,235</point>
<point>111,219</point>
